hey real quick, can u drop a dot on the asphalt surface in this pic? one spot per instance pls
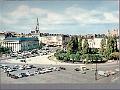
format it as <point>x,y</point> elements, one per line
<point>65,76</point>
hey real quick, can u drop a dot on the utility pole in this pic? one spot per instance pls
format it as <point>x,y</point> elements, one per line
<point>96,67</point>
<point>96,71</point>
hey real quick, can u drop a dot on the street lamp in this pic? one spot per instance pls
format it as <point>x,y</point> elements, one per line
<point>96,68</point>
<point>96,72</point>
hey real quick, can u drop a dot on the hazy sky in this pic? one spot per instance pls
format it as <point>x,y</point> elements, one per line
<point>55,16</point>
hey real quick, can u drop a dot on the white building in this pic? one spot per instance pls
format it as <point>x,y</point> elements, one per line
<point>20,43</point>
<point>114,32</point>
<point>94,41</point>
<point>52,40</point>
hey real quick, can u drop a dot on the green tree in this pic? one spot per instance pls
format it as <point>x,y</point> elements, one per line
<point>80,44</point>
<point>114,55</point>
<point>85,49</point>
<point>115,43</point>
<point>103,46</point>
<point>75,43</point>
<point>66,57</point>
<point>72,57</point>
<point>70,45</point>
<point>111,46</point>
<point>77,57</point>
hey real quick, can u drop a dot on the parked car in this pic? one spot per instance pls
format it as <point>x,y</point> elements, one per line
<point>47,70</point>
<point>50,68</point>
<point>111,72</point>
<point>37,72</point>
<point>62,68</point>
<point>32,66</point>
<point>4,66</point>
<point>57,69</point>
<point>84,68</point>
<point>103,73</point>
<point>24,74</point>
<point>9,70</point>
<point>117,69</point>
<point>15,68</point>
<point>77,69</point>
<point>22,60</point>
<point>39,68</point>
<point>29,73</point>
<point>42,72</point>
<point>21,68</point>
<point>28,67</point>
<point>14,76</point>
<point>18,75</point>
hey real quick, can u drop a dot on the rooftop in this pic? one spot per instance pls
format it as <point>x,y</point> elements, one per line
<point>22,38</point>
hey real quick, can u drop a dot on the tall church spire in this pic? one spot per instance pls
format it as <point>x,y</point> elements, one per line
<point>37,22</point>
<point>37,27</point>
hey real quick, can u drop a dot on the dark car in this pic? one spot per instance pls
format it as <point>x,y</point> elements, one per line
<point>62,68</point>
<point>24,74</point>
<point>13,76</point>
<point>39,69</point>
<point>77,69</point>
<point>32,66</point>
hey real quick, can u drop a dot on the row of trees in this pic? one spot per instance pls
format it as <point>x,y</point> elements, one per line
<point>78,52</point>
<point>75,45</point>
<point>109,47</point>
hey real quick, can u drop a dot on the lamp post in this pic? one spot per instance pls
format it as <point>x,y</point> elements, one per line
<point>96,68</point>
<point>96,72</point>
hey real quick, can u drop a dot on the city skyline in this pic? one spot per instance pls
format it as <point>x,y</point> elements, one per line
<point>65,17</point>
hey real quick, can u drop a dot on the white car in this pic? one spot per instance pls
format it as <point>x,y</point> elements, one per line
<point>42,72</point>
<point>9,70</point>
<point>48,70</point>
<point>28,67</point>
<point>103,73</point>
<point>21,68</point>
<point>117,69</point>
<point>29,73</point>
<point>18,75</point>
<point>113,73</point>
<point>36,72</point>
<point>16,65</point>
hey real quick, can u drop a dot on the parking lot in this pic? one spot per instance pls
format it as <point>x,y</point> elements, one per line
<point>69,75</point>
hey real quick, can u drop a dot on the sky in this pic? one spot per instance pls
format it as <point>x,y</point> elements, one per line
<point>60,16</point>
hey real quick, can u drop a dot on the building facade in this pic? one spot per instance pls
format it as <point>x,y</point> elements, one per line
<point>20,43</point>
<point>114,32</point>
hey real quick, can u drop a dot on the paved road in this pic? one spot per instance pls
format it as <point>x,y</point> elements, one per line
<point>65,76</point>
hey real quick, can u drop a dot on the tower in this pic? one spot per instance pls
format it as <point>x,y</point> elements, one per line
<point>37,27</point>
